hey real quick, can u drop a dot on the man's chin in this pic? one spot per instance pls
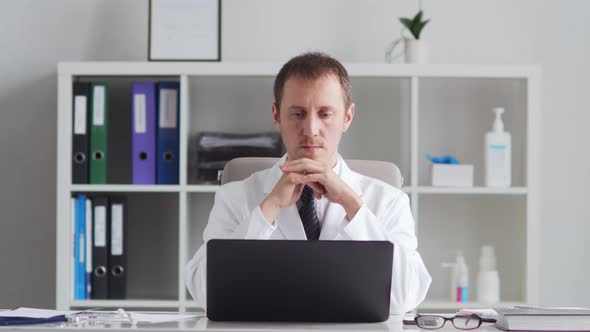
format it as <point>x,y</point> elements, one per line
<point>317,154</point>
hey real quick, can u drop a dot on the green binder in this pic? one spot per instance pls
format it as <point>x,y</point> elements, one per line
<point>99,134</point>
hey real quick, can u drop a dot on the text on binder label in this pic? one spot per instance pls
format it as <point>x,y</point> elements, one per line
<point>117,229</point>
<point>98,109</point>
<point>80,115</point>
<point>139,112</point>
<point>100,226</point>
<point>168,105</point>
<point>81,254</point>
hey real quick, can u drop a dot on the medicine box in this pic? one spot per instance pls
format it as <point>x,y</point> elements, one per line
<point>452,175</point>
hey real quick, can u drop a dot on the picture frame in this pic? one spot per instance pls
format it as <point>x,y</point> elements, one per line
<point>184,30</point>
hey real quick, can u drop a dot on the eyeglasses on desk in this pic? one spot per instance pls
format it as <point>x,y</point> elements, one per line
<point>461,322</point>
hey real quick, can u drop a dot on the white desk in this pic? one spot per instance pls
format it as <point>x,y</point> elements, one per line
<point>203,324</point>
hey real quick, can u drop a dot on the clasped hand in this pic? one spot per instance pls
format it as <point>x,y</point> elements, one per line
<point>322,179</point>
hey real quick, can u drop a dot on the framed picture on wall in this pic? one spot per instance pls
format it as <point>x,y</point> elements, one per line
<point>184,30</point>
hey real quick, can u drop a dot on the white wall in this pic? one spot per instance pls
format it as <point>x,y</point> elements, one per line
<point>35,35</point>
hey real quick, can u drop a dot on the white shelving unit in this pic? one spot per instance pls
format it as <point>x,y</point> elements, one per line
<point>403,111</point>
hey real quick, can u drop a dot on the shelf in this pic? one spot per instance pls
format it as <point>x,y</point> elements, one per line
<point>118,68</point>
<point>429,305</point>
<point>198,188</point>
<point>471,190</point>
<point>426,107</point>
<point>211,188</point>
<point>124,188</point>
<point>201,188</point>
<point>125,304</point>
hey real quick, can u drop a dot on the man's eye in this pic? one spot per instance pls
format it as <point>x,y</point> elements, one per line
<point>297,114</point>
<point>326,115</point>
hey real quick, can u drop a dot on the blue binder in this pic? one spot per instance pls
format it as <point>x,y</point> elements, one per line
<point>143,133</point>
<point>80,249</point>
<point>167,164</point>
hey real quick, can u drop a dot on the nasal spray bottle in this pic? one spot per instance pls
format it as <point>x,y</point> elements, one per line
<point>459,289</point>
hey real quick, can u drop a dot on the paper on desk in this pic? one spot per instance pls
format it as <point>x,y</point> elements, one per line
<point>159,317</point>
<point>35,313</point>
<point>143,317</point>
<point>483,313</point>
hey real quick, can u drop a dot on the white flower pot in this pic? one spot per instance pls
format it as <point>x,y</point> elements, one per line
<point>416,51</point>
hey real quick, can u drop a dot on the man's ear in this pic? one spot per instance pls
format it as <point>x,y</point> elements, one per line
<point>276,116</point>
<point>348,116</point>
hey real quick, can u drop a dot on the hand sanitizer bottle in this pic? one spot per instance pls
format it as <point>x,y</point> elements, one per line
<point>498,151</point>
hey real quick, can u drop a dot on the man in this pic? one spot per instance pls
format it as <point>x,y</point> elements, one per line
<point>311,193</point>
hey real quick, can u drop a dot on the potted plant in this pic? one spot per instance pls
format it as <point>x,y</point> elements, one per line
<point>414,48</point>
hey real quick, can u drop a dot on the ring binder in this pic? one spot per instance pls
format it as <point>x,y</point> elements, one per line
<point>80,136</point>
<point>118,248</point>
<point>99,134</point>
<point>100,250</point>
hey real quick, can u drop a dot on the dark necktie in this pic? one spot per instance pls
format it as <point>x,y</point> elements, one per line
<point>308,214</point>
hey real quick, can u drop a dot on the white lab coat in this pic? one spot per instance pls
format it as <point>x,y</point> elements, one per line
<point>385,215</point>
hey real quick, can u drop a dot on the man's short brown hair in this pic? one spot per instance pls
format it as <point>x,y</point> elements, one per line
<point>311,66</point>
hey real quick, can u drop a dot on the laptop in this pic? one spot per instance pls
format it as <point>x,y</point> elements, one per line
<point>298,281</point>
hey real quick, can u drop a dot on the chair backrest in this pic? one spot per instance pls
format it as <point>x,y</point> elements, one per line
<point>240,168</point>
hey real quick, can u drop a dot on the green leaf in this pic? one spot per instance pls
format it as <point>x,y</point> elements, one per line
<point>406,22</point>
<point>417,19</point>
<point>419,28</point>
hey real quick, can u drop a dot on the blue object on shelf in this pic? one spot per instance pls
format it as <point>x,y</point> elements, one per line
<point>446,159</point>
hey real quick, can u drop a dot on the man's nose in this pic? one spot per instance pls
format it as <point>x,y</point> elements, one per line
<point>311,126</point>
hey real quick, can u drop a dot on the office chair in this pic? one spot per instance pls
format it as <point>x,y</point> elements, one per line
<point>240,168</point>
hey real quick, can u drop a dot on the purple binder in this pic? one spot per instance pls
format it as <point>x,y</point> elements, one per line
<point>143,135</point>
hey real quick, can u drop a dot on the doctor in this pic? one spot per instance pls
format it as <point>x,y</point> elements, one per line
<point>311,193</point>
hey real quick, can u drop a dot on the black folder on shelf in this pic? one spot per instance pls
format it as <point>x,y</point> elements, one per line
<point>100,248</point>
<point>119,133</point>
<point>80,137</point>
<point>118,248</point>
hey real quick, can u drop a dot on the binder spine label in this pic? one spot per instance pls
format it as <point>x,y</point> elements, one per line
<point>80,115</point>
<point>139,111</point>
<point>168,105</point>
<point>117,229</point>
<point>99,105</point>
<point>81,249</point>
<point>100,226</point>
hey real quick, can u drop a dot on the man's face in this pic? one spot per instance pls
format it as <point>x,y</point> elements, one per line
<point>312,118</point>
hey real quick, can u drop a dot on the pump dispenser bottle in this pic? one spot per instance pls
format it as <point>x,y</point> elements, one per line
<point>498,151</point>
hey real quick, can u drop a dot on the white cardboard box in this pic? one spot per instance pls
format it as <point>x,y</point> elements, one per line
<point>452,175</point>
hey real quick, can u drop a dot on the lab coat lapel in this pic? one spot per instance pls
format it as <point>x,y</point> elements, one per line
<point>335,218</point>
<point>288,220</point>
<point>275,174</point>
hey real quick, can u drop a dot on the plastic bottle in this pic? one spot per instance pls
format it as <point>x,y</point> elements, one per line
<point>488,279</point>
<point>462,279</point>
<point>498,151</point>
<point>453,280</point>
<point>459,287</point>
